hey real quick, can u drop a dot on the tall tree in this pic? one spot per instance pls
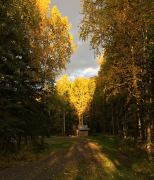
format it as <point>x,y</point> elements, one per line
<point>122,30</point>
<point>37,45</point>
<point>81,94</point>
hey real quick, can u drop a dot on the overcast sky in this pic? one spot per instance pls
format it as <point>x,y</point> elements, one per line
<point>83,62</point>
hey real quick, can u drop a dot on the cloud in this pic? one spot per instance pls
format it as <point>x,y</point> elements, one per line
<point>87,72</point>
<point>82,59</point>
<point>83,62</point>
<point>79,43</point>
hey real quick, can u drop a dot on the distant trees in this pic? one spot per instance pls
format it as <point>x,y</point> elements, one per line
<point>67,110</point>
<point>122,32</point>
<point>77,96</point>
<point>81,94</point>
<point>34,46</point>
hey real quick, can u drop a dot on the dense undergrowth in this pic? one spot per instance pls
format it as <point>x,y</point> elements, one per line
<point>130,159</point>
<point>120,159</point>
<point>31,152</point>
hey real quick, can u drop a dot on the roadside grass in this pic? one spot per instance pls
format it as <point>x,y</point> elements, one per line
<point>130,161</point>
<point>98,157</point>
<point>32,153</point>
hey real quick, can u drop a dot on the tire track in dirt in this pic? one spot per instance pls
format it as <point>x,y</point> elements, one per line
<point>77,162</point>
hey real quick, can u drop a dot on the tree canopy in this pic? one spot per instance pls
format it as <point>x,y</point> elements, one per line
<point>121,31</point>
<point>35,45</point>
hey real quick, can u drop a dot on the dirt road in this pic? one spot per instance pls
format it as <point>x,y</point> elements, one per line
<point>83,160</point>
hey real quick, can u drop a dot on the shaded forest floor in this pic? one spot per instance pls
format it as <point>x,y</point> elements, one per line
<point>93,158</point>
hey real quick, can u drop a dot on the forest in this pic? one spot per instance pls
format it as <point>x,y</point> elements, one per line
<point>34,47</point>
<point>37,102</point>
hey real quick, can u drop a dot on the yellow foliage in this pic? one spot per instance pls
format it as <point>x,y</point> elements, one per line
<point>101,59</point>
<point>79,92</point>
<point>54,45</point>
<point>43,6</point>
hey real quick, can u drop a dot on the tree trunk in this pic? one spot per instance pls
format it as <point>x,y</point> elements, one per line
<point>124,126</point>
<point>64,125</point>
<point>113,123</point>
<point>149,133</point>
<point>26,140</point>
<point>19,142</point>
<point>42,139</point>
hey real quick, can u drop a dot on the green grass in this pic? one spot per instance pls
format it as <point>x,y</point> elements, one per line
<point>130,161</point>
<point>31,153</point>
<point>117,159</point>
<point>59,143</point>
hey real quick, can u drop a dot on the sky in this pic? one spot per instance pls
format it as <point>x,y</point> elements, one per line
<point>82,62</point>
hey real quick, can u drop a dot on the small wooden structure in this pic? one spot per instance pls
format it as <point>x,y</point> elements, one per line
<point>83,130</point>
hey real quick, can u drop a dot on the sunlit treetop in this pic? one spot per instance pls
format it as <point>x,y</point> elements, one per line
<point>79,93</point>
<point>43,6</point>
<point>57,19</point>
<point>101,59</point>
